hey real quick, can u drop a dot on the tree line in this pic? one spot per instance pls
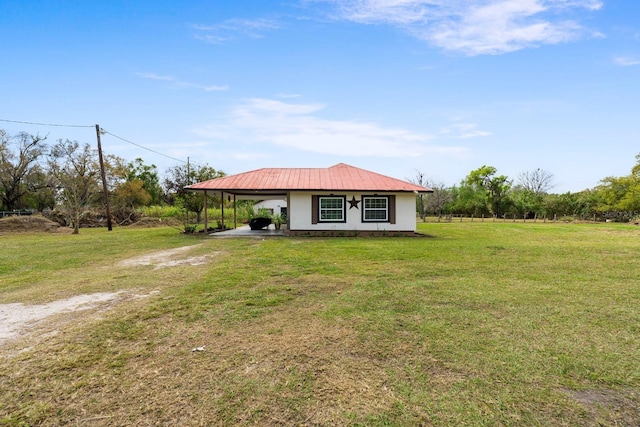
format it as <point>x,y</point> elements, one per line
<point>485,193</point>
<point>63,179</point>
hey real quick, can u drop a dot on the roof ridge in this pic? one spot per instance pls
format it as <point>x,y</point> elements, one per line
<point>337,177</point>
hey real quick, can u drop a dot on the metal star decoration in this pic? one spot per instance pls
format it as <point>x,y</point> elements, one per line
<point>353,202</point>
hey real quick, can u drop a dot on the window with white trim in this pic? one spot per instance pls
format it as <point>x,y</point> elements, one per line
<point>331,209</point>
<point>375,209</point>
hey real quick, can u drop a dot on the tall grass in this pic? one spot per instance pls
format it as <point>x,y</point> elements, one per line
<point>158,211</point>
<point>242,214</point>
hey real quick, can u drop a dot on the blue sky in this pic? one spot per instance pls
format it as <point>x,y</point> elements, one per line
<point>394,86</point>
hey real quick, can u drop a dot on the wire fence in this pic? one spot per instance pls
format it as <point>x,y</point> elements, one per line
<point>511,218</point>
<point>4,214</point>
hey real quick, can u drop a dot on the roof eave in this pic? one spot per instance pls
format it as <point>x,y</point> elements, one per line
<point>287,190</point>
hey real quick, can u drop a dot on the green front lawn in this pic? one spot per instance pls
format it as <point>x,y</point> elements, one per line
<point>485,324</point>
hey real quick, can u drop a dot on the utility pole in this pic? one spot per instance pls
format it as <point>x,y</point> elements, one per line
<point>105,191</point>
<point>188,183</point>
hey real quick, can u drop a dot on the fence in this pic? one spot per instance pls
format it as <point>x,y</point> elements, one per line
<point>508,218</point>
<point>14,213</point>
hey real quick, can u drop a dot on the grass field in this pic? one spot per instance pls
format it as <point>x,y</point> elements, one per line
<point>479,324</point>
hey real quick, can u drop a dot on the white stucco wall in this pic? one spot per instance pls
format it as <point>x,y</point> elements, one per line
<point>276,205</point>
<point>300,213</point>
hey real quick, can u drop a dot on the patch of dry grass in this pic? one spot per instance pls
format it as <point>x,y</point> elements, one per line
<point>292,367</point>
<point>149,222</point>
<point>30,224</point>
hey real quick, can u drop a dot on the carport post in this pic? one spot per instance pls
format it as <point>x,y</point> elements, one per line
<point>206,215</point>
<point>222,207</point>
<point>235,211</point>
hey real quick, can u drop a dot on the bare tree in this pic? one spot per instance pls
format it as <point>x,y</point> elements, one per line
<point>76,172</point>
<point>421,180</point>
<point>432,202</point>
<point>536,181</point>
<point>17,165</point>
<point>436,201</point>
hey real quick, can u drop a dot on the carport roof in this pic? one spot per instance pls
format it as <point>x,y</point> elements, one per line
<point>341,177</point>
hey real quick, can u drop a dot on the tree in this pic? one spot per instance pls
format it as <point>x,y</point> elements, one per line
<point>41,193</point>
<point>433,202</point>
<point>525,202</point>
<point>620,196</point>
<point>76,172</point>
<point>126,183</point>
<point>635,170</point>
<point>438,200</point>
<point>495,188</point>
<point>529,192</point>
<point>131,194</point>
<point>469,200</point>
<point>537,181</point>
<point>420,180</point>
<point>148,175</point>
<point>19,155</point>
<point>179,177</point>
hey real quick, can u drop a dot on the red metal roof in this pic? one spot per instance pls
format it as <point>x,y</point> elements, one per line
<point>341,177</point>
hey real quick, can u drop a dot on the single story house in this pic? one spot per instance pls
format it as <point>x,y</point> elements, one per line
<point>340,200</point>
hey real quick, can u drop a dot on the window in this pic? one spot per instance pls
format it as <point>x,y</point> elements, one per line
<point>375,209</point>
<point>331,209</point>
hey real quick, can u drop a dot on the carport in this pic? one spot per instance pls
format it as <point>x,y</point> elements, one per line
<point>233,195</point>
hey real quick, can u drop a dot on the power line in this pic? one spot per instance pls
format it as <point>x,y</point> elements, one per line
<point>46,124</point>
<point>144,148</point>
<point>90,126</point>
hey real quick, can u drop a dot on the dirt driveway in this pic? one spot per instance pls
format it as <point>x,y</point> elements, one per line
<point>18,320</point>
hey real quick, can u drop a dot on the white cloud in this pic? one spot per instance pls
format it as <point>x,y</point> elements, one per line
<point>626,61</point>
<point>179,84</point>
<point>474,27</point>
<point>206,88</point>
<point>211,38</point>
<point>276,108</point>
<point>401,12</point>
<point>299,126</point>
<point>232,28</point>
<point>463,131</point>
<point>153,76</point>
<point>214,88</point>
<point>474,134</point>
<point>247,155</point>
